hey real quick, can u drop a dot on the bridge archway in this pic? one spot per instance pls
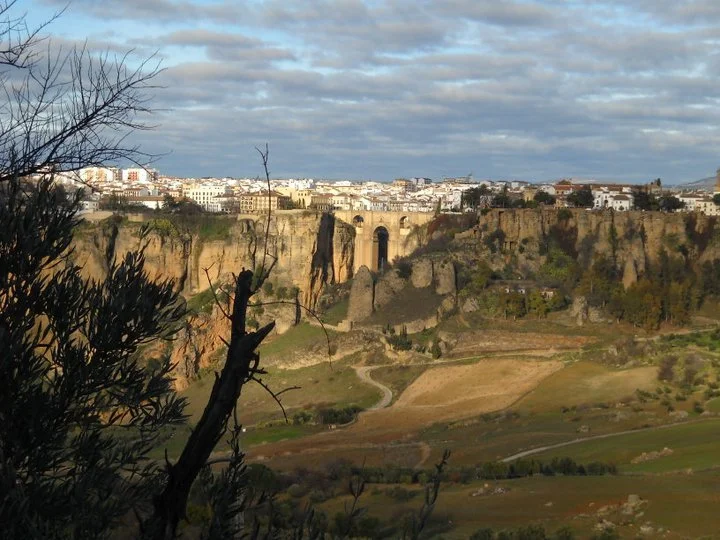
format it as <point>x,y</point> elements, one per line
<point>399,227</point>
<point>381,241</point>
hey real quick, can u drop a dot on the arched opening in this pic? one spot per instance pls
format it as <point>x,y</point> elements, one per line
<point>358,221</point>
<point>381,237</point>
<point>404,222</point>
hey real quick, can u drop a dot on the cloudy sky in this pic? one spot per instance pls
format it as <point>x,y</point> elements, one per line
<point>615,90</point>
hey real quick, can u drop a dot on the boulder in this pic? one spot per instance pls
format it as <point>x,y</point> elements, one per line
<point>470,305</point>
<point>422,273</point>
<point>445,278</point>
<point>362,294</point>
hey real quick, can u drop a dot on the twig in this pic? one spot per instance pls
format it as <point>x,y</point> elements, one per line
<point>265,157</point>
<point>276,395</point>
<point>308,310</point>
<point>212,289</point>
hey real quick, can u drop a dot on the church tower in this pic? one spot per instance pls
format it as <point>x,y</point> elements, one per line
<point>717,181</point>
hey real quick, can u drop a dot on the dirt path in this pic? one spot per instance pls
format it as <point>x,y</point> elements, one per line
<point>363,372</point>
<point>541,449</point>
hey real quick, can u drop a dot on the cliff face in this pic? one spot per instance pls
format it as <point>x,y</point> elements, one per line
<point>311,250</point>
<point>636,238</point>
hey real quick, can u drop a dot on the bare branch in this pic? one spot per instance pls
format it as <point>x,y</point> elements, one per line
<point>217,301</point>
<point>276,395</point>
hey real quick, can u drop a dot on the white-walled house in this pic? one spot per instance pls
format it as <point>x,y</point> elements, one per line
<point>620,200</point>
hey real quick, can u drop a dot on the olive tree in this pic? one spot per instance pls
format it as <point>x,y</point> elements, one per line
<point>80,407</point>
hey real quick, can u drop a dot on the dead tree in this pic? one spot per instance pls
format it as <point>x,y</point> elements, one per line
<point>241,367</point>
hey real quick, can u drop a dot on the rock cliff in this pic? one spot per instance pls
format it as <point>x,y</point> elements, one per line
<point>310,249</point>
<point>636,239</point>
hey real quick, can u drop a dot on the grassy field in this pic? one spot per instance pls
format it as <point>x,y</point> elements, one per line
<point>398,378</point>
<point>578,502</point>
<point>578,401</point>
<point>587,383</point>
<point>694,446</point>
<point>295,342</point>
<point>320,385</point>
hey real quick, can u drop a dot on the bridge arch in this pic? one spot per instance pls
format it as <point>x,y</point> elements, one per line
<point>399,227</point>
<point>381,241</point>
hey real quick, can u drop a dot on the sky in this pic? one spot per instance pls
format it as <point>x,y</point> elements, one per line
<point>617,90</point>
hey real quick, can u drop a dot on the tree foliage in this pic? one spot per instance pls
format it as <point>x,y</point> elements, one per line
<point>581,198</point>
<point>543,197</point>
<point>82,401</point>
<point>79,412</point>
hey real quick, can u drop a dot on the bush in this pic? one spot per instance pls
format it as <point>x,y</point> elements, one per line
<point>666,368</point>
<point>401,341</point>
<point>302,417</point>
<point>339,415</point>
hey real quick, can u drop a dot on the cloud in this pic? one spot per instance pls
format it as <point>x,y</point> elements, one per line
<point>383,88</point>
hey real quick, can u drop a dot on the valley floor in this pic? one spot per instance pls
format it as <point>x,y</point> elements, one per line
<point>538,389</point>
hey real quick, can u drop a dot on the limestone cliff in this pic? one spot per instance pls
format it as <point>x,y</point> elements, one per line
<point>310,250</point>
<point>634,238</point>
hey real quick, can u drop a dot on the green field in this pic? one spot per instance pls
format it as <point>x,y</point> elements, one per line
<point>296,341</point>
<point>577,502</point>
<point>695,446</point>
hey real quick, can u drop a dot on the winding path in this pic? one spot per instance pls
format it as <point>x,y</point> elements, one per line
<point>363,372</point>
<point>541,449</point>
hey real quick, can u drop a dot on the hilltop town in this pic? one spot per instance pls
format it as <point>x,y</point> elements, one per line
<point>144,187</point>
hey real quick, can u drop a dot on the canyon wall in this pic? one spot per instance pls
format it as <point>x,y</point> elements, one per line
<point>636,238</point>
<point>311,249</point>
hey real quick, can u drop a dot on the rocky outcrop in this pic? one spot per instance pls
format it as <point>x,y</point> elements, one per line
<point>445,278</point>
<point>422,273</point>
<point>362,295</point>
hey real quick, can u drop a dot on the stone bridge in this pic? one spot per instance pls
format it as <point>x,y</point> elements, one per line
<point>382,236</point>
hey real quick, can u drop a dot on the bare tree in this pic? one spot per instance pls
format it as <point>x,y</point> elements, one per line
<point>66,109</point>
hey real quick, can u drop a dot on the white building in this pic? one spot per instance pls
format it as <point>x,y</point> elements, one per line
<point>707,206</point>
<point>620,200</point>
<point>94,175</point>
<point>206,194</point>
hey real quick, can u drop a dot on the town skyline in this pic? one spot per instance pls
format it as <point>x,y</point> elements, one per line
<point>377,90</point>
